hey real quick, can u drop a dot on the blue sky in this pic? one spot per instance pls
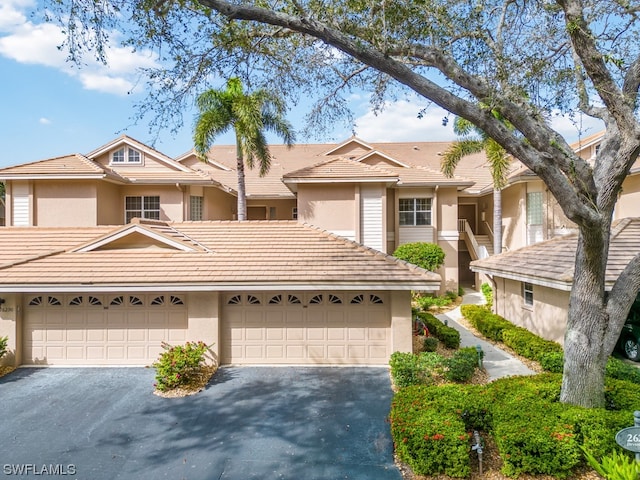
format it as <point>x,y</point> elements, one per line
<point>51,108</point>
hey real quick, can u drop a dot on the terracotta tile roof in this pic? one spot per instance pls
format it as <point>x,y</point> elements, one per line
<point>168,176</point>
<point>341,168</point>
<point>551,263</point>
<point>74,165</point>
<point>260,255</point>
<point>423,157</point>
<point>19,243</point>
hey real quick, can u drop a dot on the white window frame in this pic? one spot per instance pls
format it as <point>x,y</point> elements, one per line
<point>126,156</point>
<point>414,209</point>
<point>527,294</point>
<point>146,209</point>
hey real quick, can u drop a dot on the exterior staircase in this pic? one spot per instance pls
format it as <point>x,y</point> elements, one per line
<point>479,246</point>
<point>486,242</point>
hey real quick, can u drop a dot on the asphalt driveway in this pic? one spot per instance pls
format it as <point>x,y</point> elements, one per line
<point>250,423</point>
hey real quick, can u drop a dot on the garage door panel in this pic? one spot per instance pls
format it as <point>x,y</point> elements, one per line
<point>274,352</point>
<point>136,335</point>
<point>137,352</point>
<point>94,329</point>
<point>357,334</point>
<point>55,334</point>
<point>334,333</point>
<point>116,352</point>
<point>316,333</point>
<point>75,335</point>
<point>95,353</point>
<point>75,353</point>
<point>379,352</point>
<point>380,334</point>
<point>254,352</point>
<point>273,334</point>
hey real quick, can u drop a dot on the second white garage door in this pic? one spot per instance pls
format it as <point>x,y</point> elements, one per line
<point>294,328</point>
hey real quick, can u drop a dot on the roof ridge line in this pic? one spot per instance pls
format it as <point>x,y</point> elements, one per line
<point>39,256</point>
<point>386,256</point>
<point>619,227</point>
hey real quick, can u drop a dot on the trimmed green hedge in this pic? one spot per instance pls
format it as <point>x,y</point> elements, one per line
<point>549,354</point>
<point>450,337</point>
<point>521,340</point>
<point>534,433</point>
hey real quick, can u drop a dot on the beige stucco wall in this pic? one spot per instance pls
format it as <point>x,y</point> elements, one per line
<point>629,203</point>
<point>546,318</point>
<point>9,311</point>
<point>219,205</point>
<point>514,216</point>
<point>401,326</point>
<point>283,209</point>
<point>110,204</point>
<point>331,207</point>
<point>446,209</point>
<point>72,204</point>
<point>204,320</point>
<point>391,220</point>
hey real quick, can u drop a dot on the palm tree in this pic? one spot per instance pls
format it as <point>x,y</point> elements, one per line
<point>250,116</point>
<point>473,140</point>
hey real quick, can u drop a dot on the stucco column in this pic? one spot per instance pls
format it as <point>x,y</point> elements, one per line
<point>401,327</point>
<point>448,237</point>
<point>9,328</point>
<point>204,320</point>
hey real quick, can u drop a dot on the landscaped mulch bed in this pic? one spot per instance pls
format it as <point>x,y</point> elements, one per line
<point>197,384</point>
<point>6,370</point>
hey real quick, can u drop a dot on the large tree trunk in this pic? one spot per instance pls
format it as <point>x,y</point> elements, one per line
<point>497,221</point>
<point>242,193</point>
<point>585,349</point>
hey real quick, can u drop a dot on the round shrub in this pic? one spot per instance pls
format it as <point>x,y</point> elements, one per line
<point>425,255</point>
<point>177,364</point>
<point>430,344</point>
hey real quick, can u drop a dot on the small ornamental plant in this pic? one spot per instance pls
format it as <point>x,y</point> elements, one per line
<point>3,346</point>
<point>178,364</point>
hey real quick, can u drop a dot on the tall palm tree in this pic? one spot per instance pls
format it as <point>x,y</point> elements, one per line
<point>474,140</point>
<point>250,115</point>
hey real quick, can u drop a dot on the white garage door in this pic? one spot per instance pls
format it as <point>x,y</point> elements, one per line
<point>83,329</point>
<point>295,328</point>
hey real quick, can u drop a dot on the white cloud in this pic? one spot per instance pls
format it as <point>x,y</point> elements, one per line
<point>573,129</point>
<point>399,122</point>
<point>44,121</point>
<point>37,44</point>
<point>12,13</point>
<point>104,82</point>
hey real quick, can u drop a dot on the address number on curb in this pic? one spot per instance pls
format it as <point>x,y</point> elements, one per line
<point>629,439</point>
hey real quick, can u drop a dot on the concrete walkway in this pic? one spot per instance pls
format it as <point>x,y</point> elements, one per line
<point>497,362</point>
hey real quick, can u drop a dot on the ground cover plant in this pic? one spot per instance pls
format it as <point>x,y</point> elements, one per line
<point>533,433</point>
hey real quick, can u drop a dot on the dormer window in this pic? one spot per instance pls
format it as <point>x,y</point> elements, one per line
<point>126,155</point>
